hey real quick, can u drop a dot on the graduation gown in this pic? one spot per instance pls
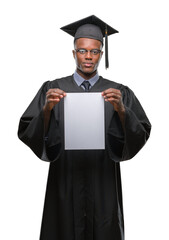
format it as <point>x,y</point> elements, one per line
<point>83,196</point>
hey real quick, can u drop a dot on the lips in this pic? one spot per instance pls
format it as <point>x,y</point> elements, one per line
<point>88,65</point>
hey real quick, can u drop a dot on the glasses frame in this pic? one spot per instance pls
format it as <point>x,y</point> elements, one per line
<point>98,51</point>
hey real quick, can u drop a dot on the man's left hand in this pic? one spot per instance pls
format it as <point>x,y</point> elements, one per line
<point>114,96</point>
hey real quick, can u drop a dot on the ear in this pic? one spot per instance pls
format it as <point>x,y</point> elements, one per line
<point>101,54</point>
<point>73,51</point>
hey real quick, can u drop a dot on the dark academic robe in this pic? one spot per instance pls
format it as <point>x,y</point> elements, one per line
<point>84,196</point>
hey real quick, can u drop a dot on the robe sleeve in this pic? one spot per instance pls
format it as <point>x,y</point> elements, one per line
<point>31,128</point>
<point>124,144</point>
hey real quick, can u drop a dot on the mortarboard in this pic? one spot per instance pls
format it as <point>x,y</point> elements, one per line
<point>91,27</point>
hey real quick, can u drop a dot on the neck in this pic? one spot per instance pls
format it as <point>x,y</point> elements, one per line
<point>86,76</point>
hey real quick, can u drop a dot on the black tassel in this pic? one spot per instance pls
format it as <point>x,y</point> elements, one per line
<point>106,50</point>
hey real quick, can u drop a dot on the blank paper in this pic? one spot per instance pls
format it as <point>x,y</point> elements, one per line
<point>84,126</point>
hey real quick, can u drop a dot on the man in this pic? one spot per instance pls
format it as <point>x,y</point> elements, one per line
<point>83,196</point>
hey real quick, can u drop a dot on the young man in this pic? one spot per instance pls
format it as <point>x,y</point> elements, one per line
<point>83,196</point>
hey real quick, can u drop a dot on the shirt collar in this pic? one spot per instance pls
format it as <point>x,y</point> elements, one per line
<point>79,80</point>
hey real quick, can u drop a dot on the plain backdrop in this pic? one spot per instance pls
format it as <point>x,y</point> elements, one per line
<point>33,50</point>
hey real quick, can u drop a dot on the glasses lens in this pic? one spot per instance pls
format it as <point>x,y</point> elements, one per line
<point>82,51</point>
<point>95,51</point>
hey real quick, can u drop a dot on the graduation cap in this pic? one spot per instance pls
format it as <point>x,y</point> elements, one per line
<point>91,27</point>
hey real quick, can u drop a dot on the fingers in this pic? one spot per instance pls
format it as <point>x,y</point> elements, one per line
<point>112,94</point>
<point>55,94</point>
<point>111,91</point>
<point>113,100</point>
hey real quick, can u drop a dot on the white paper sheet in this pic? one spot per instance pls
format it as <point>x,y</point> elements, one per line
<point>84,125</point>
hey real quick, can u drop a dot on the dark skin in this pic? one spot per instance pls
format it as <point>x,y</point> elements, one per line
<point>86,67</point>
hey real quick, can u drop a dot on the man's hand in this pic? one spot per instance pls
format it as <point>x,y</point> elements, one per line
<point>53,96</point>
<point>114,96</point>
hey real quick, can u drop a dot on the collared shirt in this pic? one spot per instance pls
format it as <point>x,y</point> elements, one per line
<point>79,80</point>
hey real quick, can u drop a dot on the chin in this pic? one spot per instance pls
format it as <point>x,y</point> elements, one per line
<point>88,71</point>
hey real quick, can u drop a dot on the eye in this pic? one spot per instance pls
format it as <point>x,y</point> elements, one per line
<point>95,51</point>
<point>82,51</point>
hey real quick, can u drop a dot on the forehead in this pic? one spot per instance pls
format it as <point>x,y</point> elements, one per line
<point>88,43</point>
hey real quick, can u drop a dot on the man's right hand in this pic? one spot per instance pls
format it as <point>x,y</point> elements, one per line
<point>53,96</point>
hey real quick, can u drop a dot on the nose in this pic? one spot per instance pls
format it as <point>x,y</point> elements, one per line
<point>88,55</point>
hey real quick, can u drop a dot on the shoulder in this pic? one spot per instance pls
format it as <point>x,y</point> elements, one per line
<point>56,83</point>
<point>111,84</point>
<point>60,81</point>
<point>125,90</point>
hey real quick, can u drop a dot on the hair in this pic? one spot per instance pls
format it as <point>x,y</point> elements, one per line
<point>74,42</point>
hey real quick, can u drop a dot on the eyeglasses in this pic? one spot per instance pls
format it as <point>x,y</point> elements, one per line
<point>84,51</point>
